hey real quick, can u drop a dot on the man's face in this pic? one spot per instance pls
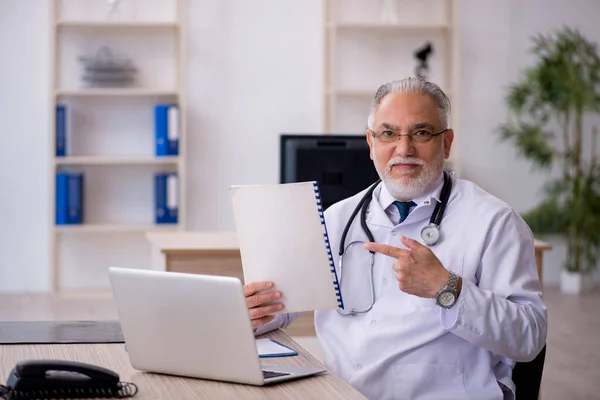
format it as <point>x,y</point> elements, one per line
<point>408,168</point>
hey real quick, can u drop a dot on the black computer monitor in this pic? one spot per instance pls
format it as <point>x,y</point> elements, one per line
<point>340,163</point>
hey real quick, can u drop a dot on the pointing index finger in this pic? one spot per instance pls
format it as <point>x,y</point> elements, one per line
<point>411,243</point>
<point>385,249</point>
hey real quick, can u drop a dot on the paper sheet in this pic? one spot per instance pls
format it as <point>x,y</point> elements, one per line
<point>269,348</point>
<point>283,239</point>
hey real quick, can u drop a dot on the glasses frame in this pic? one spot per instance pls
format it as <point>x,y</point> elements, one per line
<point>409,135</point>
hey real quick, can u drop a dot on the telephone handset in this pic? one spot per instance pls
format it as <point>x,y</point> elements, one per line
<point>58,379</point>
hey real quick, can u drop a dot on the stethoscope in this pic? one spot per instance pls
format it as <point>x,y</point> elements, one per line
<point>430,234</point>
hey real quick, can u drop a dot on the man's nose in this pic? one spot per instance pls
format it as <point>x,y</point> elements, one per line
<point>405,147</point>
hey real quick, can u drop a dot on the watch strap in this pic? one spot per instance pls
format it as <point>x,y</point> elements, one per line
<point>452,282</point>
<point>451,286</point>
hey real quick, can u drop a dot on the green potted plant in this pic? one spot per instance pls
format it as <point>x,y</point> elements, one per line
<point>549,110</point>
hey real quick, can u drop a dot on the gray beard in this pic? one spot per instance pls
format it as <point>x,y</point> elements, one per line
<point>415,187</point>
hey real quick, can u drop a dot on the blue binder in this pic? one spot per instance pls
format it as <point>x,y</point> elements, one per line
<point>61,130</point>
<point>166,194</point>
<point>166,129</point>
<point>62,205</point>
<point>160,129</point>
<point>173,124</point>
<point>69,198</point>
<point>160,198</point>
<point>75,198</point>
<point>172,198</point>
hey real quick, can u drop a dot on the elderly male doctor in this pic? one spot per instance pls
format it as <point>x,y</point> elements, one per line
<point>448,320</point>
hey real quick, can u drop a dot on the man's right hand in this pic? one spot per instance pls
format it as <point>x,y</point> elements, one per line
<point>261,314</point>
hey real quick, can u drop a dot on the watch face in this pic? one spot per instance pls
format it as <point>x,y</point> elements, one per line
<point>447,299</point>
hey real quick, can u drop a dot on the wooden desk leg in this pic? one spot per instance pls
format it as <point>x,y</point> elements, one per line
<point>538,261</point>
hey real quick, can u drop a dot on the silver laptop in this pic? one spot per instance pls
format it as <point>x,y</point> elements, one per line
<point>192,325</point>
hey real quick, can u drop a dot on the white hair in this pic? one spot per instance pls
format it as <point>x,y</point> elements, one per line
<point>413,84</point>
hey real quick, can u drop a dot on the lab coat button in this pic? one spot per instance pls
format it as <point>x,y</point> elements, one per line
<point>358,366</point>
<point>385,280</point>
<point>393,233</point>
<point>373,322</point>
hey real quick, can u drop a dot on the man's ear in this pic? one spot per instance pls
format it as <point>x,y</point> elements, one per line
<point>371,147</point>
<point>448,139</point>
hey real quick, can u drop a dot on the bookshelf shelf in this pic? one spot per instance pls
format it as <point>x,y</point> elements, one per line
<point>111,160</point>
<point>384,27</point>
<point>118,128</point>
<point>116,228</point>
<point>117,92</point>
<point>110,25</point>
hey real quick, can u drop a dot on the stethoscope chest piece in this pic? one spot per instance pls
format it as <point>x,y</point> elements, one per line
<point>430,234</point>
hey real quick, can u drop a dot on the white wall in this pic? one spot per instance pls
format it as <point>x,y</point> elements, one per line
<point>25,151</point>
<point>495,40</point>
<point>254,71</point>
<point>261,77</point>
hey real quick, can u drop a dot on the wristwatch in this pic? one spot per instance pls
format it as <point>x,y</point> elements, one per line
<point>447,295</point>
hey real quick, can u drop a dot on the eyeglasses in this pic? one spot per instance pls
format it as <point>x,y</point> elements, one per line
<point>419,136</point>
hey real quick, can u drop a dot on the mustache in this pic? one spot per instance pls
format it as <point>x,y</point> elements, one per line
<point>404,160</point>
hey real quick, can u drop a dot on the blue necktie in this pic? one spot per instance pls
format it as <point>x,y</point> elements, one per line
<point>404,208</point>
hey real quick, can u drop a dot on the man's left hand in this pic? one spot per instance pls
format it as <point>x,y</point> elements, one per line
<point>418,271</point>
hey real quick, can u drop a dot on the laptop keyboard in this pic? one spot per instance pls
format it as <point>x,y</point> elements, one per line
<point>272,374</point>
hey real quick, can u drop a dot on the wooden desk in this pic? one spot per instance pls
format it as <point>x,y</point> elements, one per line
<point>157,386</point>
<point>217,253</point>
<point>211,253</point>
<point>540,248</point>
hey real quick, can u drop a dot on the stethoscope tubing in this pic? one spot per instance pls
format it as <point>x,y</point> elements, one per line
<point>363,205</point>
<point>430,233</point>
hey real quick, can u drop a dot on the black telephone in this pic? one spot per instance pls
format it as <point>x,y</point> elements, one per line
<point>58,379</point>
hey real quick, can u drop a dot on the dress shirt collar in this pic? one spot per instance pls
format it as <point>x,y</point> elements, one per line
<point>386,199</point>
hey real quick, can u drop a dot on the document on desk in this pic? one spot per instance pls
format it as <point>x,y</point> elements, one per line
<point>271,348</point>
<point>283,239</point>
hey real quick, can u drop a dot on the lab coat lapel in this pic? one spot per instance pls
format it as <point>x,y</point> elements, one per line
<point>376,215</point>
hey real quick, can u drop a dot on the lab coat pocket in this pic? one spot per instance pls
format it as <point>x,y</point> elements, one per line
<point>420,303</point>
<point>411,303</point>
<point>429,381</point>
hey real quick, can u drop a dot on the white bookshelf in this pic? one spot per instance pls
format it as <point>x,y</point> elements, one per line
<point>111,25</point>
<point>363,49</point>
<point>116,92</point>
<point>115,228</point>
<point>108,160</point>
<point>388,27</point>
<point>111,137</point>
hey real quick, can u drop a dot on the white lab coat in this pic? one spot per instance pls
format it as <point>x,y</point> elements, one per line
<point>406,347</point>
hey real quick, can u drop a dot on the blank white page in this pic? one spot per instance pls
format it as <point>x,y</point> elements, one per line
<point>282,238</point>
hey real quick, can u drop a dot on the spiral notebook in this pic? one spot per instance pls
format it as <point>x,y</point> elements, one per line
<point>283,239</point>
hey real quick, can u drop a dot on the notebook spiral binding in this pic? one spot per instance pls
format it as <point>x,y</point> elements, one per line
<point>121,391</point>
<point>336,283</point>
